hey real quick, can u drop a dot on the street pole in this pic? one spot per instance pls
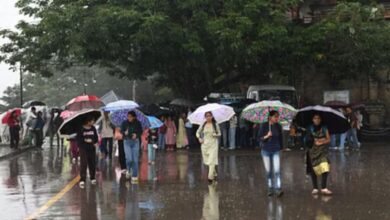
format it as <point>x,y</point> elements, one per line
<point>21,85</point>
<point>84,84</point>
<point>134,85</point>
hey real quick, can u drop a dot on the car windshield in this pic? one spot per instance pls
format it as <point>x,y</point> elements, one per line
<point>282,95</point>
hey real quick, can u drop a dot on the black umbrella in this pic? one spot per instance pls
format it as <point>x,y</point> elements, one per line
<point>33,103</point>
<point>72,124</point>
<point>181,102</point>
<point>333,119</point>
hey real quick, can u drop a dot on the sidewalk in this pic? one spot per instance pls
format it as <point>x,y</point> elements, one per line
<point>7,152</point>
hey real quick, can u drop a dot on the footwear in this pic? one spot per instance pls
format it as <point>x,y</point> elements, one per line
<point>314,192</point>
<point>128,175</point>
<point>123,171</point>
<point>326,192</point>
<point>134,180</point>
<point>210,181</point>
<point>82,184</point>
<point>150,162</point>
<point>153,162</point>
<point>93,181</point>
<point>74,160</point>
<point>279,193</point>
<point>270,192</point>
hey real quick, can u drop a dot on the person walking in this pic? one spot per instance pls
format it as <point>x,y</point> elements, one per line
<point>31,121</point>
<point>132,131</point>
<point>208,135</point>
<point>107,134</point>
<point>232,132</point>
<point>271,137</point>
<point>74,149</point>
<point>352,132</point>
<point>152,145</point>
<point>317,162</point>
<point>14,128</point>
<point>161,134</point>
<point>224,135</point>
<point>38,130</point>
<point>87,138</point>
<point>170,136</point>
<point>121,151</point>
<point>181,138</point>
<point>189,130</point>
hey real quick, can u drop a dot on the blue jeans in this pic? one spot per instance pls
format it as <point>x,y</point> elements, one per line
<point>132,155</point>
<point>333,138</point>
<point>343,138</point>
<point>352,136</point>
<point>232,138</point>
<point>161,141</point>
<point>151,153</point>
<point>271,162</point>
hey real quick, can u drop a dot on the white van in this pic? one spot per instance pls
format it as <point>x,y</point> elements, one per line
<point>286,94</point>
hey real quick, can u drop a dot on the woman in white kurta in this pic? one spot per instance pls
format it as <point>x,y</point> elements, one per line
<point>208,135</point>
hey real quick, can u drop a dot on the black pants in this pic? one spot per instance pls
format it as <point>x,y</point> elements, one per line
<point>324,179</point>
<point>14,133</point>
<point>107,146</point>
<point>122,156</point>
<point>88,159</point>
<point>38,137</point>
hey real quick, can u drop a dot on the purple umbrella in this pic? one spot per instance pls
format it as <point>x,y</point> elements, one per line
<point>119,116</point>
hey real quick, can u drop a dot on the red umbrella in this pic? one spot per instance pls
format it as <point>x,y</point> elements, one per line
<point>6,117</point>
<point>84,102</point>
<point>66,114</point>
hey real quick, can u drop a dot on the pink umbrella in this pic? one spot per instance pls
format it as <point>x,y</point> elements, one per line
<point>84,102</point>
<point>66,114</point>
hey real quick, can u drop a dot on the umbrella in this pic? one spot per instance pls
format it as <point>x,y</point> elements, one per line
<point>258,112</point>
<point>72,124</point>
<point>333,119</point>
<point>181,102</point>
<point>120,105</point>
<point>118,117</point>
<point>66,114</point>
<point>33,103</point>
<point>336,104</point>
<point>6,117</point>
<point>220,112</point>
<point>154,122</point>
<point>357,105</point>
<point>84,102</point>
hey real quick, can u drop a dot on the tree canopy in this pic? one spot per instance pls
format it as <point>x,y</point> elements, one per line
<point>196,46</point>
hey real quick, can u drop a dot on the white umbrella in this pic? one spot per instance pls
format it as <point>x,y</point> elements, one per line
<point>121,105</point>
<point>220,112</point>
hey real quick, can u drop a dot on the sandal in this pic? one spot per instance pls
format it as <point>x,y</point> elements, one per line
<point>326,192</point>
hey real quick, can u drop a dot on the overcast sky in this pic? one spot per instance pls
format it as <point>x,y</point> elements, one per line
<point>9,16</point>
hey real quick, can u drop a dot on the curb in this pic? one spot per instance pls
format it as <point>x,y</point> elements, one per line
<point>15,153</point>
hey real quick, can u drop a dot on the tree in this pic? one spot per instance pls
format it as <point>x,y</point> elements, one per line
<point>191,46</point>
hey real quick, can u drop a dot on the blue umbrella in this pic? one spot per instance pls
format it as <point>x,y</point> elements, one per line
<point>154,122</point>
<point>121,105</point>
<point>118,117</point>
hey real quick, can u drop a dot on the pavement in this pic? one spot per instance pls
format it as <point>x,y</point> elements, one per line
<point>7,152</point>
<point>42,184</point>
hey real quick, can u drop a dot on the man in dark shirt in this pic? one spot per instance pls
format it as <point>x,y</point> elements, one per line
<point>87,138</point>
<point>132,131</point>
<point>352,133</point>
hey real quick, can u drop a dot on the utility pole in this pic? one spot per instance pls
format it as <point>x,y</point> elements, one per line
<point>134,89</point>
<point>85,83</point>
<point>21,85</point>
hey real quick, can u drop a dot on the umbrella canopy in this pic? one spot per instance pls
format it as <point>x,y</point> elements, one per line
<point>220,112</point>
<point>6,117</point>
<point>72,124</point>
<point>154,122</point>
<point>118,117</point>
<point>336,104</point>
<point>258,112</point>
<point>121,105</point>
<point>33,103</point>
<point>333,119</point>
<point>181,102</point>
<point>66,114</point>
<point>84,102</point>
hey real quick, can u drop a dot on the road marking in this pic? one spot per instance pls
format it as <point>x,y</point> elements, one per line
<point>54,199</point>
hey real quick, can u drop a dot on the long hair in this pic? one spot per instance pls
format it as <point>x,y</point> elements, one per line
<point>214,122</point>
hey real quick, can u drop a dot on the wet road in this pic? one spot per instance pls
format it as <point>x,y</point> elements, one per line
<point>359,180</point>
